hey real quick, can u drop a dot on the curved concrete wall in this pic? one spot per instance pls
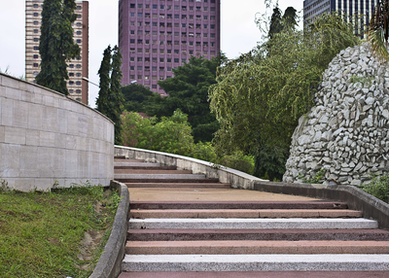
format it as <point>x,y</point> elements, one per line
<point>48,140</point>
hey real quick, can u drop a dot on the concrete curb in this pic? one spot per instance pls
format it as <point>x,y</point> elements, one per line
<point>109,264</point>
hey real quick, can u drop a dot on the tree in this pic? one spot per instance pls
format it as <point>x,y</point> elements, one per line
<point>259,97</point>
<point>289,18</point>
<point>170,134</point>
<point>110,99</point>
<point>102,103</point>
<point>276,22</point>
<point>378,31</point>
<point>138,98</point>
<point>188,91</point>
<point>57,45</point>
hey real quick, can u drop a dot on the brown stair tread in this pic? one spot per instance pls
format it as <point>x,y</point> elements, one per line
<point>177,185</point>
<point>257,247</point>
<point>245,213</point>
<point>150,171</point>
<point>257,234</point>
<point>237,204</point>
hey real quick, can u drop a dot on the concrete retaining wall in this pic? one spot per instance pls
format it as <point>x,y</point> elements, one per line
<point>236,178</point>
<point>49,140</point>
<point>355,198</point>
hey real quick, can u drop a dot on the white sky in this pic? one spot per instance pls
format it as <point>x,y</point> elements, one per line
<point>239,33</point>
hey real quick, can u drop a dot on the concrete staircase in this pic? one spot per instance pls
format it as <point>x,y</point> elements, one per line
<point>186,225</point>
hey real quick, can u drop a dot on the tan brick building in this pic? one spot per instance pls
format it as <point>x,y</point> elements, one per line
<point>77,69</point>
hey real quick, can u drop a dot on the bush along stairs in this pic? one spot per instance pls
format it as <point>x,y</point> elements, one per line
<point>187,225</point>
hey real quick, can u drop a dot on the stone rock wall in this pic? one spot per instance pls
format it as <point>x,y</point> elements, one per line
<point>344,139</point>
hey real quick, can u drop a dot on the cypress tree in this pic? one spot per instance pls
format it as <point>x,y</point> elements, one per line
<point>102,101</point>
<point>116,96</point>
<point>276,22</point>
<point>57,44</point>
<point>110,99</point>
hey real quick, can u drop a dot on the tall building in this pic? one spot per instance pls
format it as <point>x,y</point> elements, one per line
<point>358,11</point>
<point>156,36</point>
<point>77,69</point>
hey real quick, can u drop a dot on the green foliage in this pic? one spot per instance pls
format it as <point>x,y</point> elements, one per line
<point>204,151</point>
<point>102,102</point>
<point>319,177</point>
<point>259,97</point>
<point>188,91</point>
<point>170,134</point>
<point>140,99</point>
<point>110,99</point>
<point>238,161</point>
<point>275,25</point>
<point>378,31</point>
<point>41,234</point>
<point>57,45</point>
<point>378,187</point>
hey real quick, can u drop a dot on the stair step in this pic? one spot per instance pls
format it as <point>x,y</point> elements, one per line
<point>142,166</point>
<point>257,247</point>
<point>238,204</point>
<point>156,171</point>
<point>245,213</point>
<point>251,223</point>
<point>257,262</point>
<point>256,274</point>
<point>165,178</point>
<point>177,185</point>
<point>261,234</point>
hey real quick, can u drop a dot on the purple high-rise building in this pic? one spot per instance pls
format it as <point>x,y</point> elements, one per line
<point>156,36</point>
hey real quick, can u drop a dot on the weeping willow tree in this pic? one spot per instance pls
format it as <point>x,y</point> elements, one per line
<point>259,97</point>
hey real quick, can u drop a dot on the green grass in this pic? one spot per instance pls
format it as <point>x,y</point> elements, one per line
<point>41,234</point>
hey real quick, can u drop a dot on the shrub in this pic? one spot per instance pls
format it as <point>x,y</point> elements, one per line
<point>378,187</point>
<point>239,161</point>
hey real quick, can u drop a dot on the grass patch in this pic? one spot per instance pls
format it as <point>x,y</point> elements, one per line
<point>55,234</point>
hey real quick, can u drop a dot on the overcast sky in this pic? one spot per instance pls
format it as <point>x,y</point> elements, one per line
<point>239,33</point>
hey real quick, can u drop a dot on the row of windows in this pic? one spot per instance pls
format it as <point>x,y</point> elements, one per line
<point>37,6</point>
<point>71,66</point>
<point>169,33</point>
<point>147,77</point>
<point>77,83</point>
<point>169,16</point>
<point>162,6</point>
<point>183,43</point>
<point>154,51</point>
<point>154,68</point>
<point>77,91</point>
<point>180,8</point>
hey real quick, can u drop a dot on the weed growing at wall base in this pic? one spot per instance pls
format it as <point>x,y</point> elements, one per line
<point>378,187</point>
<point>54,234</point>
